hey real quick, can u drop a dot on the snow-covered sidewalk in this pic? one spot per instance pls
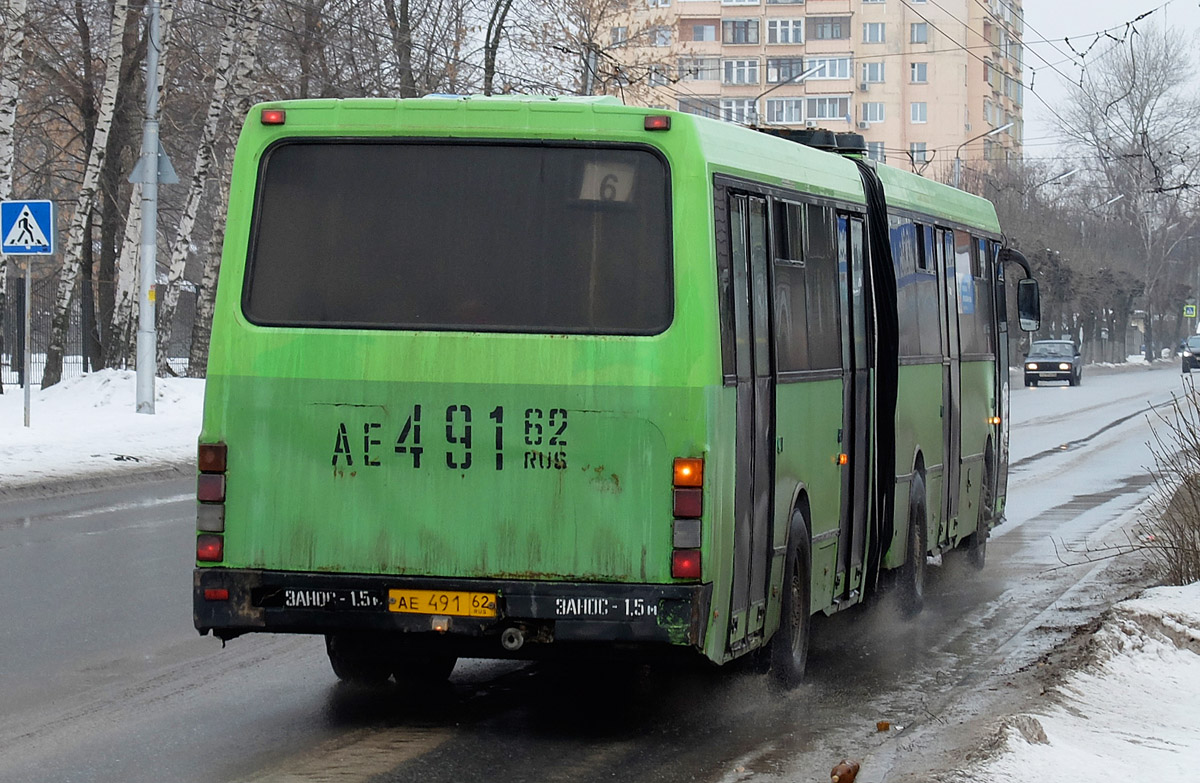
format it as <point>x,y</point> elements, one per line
<point>1132,713</point>
<point>87,426</point>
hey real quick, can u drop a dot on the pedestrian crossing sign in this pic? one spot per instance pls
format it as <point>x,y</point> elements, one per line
<point>1189,311</point>
<point>27,228</point>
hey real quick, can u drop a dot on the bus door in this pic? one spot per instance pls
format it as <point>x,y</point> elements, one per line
<point>755,469</point>
<point>857,405</point>
<point>951,383</point>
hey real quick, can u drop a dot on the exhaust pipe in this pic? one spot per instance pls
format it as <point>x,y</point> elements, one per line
<point>512,639</point>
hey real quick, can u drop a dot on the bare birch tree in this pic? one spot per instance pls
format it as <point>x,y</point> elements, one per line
<point>11,61</point>
<point>237,24</point>
<point>73,251</point>
<point>121,329</point>
<point>241,92</point>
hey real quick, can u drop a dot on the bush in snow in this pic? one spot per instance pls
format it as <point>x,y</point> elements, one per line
<point>1172,537</point>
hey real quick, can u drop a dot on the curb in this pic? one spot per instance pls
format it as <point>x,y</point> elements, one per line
<point>96,480</point>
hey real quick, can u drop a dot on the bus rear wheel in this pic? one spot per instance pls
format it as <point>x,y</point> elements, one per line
<point>357,658</point>
<point>977,549</point>
<point>789,645</point>
<point>912,574</point>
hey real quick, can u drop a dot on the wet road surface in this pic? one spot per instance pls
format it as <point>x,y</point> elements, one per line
<point>104,678</point>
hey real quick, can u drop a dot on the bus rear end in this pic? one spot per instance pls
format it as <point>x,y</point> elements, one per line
<point>456,405</point>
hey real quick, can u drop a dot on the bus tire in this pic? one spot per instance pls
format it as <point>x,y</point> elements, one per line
<point>911,576</point>
<point>977,549</point>
<point>789,645</point>
<point>357,658</point>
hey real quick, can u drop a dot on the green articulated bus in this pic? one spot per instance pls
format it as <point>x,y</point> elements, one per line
<point>558,377</point>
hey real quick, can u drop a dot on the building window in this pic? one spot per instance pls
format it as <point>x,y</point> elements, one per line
<point>830,67</point>
<point>704,32</point>
<point>873,111</point>
<point>658,76</point>
<point>658,3</point>
<point>785,111</point>
<point>827,107</point>
<point>919,111</point>
<point>620,35</point>
<point>875,151</point>
<point>740,71</point>
<point>699,69</point>
<point>785,31</point>
<point>828,28</point>
<point>918,152</point>
<point>662,36</point>
<point>872,73</point>
<point>919,32</point>
<point>739,31</point>
<point>873,32</point>
<point>739,2</point>
<point>785,2</point>
<point>872,2</point>
<point>741,110</point>
<point>919,73</point>
<point>784,69</point>
<point>702,106</point>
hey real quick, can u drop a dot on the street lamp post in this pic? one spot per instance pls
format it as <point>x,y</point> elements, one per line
<point>958,160</point>
<point>791,80</point>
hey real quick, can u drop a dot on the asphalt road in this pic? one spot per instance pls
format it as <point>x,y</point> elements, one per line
<point>104,679</point>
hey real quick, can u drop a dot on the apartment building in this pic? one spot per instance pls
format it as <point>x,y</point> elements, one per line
<point>922,80</point>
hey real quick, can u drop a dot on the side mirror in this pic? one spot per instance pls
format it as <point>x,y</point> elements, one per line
<point>1029,305</point>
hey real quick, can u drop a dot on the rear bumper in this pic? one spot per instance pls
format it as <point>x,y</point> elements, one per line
<point>547,612</point>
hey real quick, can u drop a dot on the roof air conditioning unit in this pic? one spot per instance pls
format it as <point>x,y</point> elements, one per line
<point>863,125</point>
<point>810,123</point>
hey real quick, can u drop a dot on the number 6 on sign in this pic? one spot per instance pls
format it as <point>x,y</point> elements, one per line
<point>607,181</point>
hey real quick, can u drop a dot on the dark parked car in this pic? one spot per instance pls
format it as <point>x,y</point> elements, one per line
<point>1190,351</point>
<point>1053,360</point>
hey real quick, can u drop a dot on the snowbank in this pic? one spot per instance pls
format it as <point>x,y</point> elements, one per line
<point>88,425</point>
<point>1133,714</point>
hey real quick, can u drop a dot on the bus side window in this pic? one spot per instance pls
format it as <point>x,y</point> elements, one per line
<point>821,260</point>
<point>791,301</point>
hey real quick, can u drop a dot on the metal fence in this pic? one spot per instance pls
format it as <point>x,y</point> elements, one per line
<point>75,363</point>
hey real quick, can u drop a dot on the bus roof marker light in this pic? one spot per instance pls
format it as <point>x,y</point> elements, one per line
<point>657,122</point>
<point>273,116</point>
<point>689,472</point>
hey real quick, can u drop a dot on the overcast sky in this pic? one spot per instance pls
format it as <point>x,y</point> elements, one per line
<point>1079,20</point>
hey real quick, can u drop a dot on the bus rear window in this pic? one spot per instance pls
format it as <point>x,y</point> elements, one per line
<point>461,236</point>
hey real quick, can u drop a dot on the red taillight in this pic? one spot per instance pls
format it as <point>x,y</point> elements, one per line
<point>216,594</point>
<point>210,549</point>
<point>689,502</point>
<point>689,472</point>
<point>210,487</point>
<point>658,122</point>
<point>685,564</point>
<point>273,116</point>
<point>210,457</point>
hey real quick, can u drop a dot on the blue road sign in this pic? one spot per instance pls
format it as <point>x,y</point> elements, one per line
<point>27,228</point>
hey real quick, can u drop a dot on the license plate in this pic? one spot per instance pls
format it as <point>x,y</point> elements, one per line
<point>456,604</point>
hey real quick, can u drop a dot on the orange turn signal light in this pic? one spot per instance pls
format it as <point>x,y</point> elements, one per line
<point>689,472</point>
<point>843,459</point>
<point>994,421</point>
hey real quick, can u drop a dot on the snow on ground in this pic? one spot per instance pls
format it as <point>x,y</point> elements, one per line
<point>1131,714</point>
<point>88,425</point>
